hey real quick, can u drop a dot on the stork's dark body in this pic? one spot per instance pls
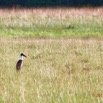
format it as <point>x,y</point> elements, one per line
<point>19,64</point>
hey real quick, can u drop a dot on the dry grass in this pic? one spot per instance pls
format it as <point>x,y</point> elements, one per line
<point>56,71</point>
<point>60,13</point>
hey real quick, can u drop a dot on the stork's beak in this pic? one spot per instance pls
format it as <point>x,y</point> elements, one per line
<point>24,55</point>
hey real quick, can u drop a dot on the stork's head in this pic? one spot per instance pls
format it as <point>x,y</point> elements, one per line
<point>21,56</point>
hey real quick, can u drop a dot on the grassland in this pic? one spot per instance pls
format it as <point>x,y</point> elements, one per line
<point>56,71</point>
<point>51,23</point>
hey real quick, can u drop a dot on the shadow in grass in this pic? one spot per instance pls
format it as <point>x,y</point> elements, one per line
<point>69,27</point>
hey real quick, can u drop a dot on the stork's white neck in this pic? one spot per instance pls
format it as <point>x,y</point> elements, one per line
<point>21,57</point>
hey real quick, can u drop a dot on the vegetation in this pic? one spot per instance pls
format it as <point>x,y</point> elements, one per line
<point>51,23</point>
<point>56,71</point>
<point>32,3</point>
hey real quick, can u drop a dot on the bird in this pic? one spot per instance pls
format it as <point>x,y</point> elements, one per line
<point>20,61</point>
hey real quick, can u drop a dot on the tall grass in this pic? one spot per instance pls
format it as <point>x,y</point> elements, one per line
<point>51,23</point>
<point>56,71</point>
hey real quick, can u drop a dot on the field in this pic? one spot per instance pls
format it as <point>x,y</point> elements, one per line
<point>51,23</point>
<point>64,49</point>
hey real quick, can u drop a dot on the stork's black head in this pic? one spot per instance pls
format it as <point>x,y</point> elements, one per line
<point>23,55</point>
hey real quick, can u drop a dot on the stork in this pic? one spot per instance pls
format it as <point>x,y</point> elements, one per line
<point>19,63</point>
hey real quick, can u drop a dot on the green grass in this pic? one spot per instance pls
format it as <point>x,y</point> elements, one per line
<point>56,71</point>
<point>52,23</point>
<point>56,30</point>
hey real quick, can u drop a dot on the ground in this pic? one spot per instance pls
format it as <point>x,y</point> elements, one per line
<point>64,49</point>
<point>63,70</point>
